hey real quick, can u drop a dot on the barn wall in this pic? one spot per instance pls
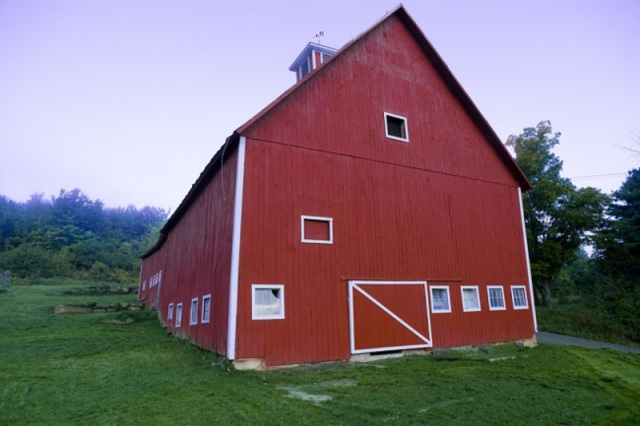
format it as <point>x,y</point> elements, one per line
<point>442,208</point>
<point>390,223</point>
<point>195,261</point>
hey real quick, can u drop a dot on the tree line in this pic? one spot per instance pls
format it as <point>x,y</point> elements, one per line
<point>563,222</point>
<point>71,235</point>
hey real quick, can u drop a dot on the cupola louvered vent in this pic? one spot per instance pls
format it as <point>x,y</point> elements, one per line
<point>311,57</point>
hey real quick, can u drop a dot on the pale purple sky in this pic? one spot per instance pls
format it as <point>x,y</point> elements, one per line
<point>129,99</point>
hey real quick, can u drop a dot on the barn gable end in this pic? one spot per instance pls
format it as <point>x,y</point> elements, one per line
<point>376,210</point>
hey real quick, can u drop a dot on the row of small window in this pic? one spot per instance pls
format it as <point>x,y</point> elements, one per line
<point>205,313</point>
<point>153,281</point>
<point>267,300</point>
<point>441,302</point>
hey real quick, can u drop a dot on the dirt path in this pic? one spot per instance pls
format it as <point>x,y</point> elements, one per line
<point>559,339</point>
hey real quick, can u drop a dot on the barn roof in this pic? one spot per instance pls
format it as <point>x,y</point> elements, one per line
<point>436,60</point>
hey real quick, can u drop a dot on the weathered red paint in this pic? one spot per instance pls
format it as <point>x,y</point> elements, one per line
<point>195,261</point>
<point>441,208</point>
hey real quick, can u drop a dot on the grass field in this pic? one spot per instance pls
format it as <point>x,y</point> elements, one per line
<point>78,369</point>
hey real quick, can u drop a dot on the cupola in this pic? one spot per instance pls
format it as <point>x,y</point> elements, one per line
<point>311,57</point>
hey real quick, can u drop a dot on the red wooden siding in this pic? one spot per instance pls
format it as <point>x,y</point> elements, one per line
<point>196,261</point>
<point>341,110</point>
<point>390,222</point>
<point>442,208</point>
<point>388,315</point>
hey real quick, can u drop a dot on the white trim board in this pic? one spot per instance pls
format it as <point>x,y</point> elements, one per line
<point>526,254</point>
<point>235,252</point>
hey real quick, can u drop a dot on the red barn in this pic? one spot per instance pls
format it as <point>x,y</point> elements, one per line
<point>370,208</point>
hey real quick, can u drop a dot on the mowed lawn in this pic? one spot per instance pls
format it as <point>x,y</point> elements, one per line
<point>79,369</point>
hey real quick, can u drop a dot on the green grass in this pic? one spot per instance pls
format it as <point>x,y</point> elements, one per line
<point>76,369</point>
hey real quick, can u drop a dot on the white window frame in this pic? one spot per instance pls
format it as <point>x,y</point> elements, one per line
<point>386,127</point>
<point>329,220</point>
<point>257,316</point>
<point>524,293</point>
<point>170,313</point>
<point>433,308</point>
<point>504,304</point>
<point>476,290</point>
<point>178,315</point>
<point>193,312</point>
<point>206,313</point>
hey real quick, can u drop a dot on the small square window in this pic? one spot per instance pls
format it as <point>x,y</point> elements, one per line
<point>396,127</point>
<point>170,313</point>
<point>194,311</point>
<point>316,229</point>
<point>440,301</point>
<point>496,298</point>
<point>206,308</point>
<point>519,297</point>
<point>267,301</point>
<point>470,299</point>
<point>178,314</point>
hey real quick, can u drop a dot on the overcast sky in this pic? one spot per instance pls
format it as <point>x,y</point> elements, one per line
<point>129,99</point>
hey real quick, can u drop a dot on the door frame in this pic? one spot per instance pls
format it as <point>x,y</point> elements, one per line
<point>354,286</point>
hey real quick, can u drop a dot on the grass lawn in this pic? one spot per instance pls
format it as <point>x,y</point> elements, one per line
<point>77,369</point>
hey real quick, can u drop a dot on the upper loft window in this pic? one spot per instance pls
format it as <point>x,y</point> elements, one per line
<point>316,229</point>
<point>396,127</point>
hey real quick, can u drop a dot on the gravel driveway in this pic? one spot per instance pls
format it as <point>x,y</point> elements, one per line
<point>559,339</point>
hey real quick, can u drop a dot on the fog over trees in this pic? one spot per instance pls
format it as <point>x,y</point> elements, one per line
<point>71,235</point>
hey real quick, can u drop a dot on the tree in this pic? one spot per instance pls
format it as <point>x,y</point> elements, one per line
<point>72,235</point>
<point>559,218</point>
<point>618,243</point>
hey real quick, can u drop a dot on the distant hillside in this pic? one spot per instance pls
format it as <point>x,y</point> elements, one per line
<point>73,236</point>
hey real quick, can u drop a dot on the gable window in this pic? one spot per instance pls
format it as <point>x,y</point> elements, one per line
<point>178,314</point>
<point>396,127</point>
<point>470,299</point>
<point>170,313</point>
<point>267,301</point>
<point>316,229</point>
<point>194,311</point>
<point>519,297</point>
<point>440,301</point>
<point>206,308</point>
<point>496,298</point>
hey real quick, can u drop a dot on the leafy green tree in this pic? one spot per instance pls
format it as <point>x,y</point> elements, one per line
<point>559,218</point>
<point>618,259</point>
<point>72,235</point>
<point>619,241</point>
